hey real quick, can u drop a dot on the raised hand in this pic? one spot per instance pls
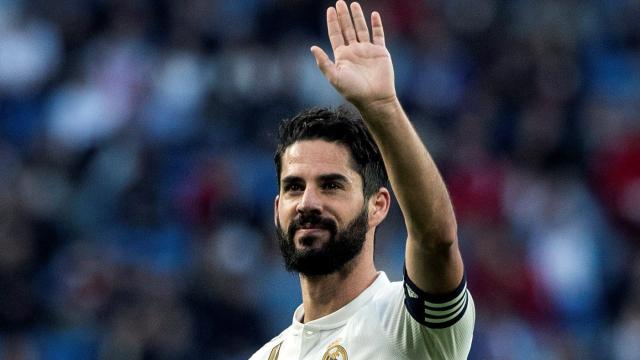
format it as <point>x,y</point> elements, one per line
<point>362,71</point>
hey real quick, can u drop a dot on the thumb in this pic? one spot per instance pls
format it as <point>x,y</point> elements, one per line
<point>325,64</point>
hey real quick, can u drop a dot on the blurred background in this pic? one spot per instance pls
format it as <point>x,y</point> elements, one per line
<point>137,181</point>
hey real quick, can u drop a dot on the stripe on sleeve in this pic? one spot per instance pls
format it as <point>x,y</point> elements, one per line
<point>435,311</point>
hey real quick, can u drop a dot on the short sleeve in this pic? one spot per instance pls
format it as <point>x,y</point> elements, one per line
<point>435,311</point>
<point>428,326</point>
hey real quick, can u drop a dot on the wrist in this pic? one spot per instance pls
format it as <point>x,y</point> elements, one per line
<point>380,108</point>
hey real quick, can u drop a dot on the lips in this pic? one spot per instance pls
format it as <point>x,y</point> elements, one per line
<point>310,230</point>
<point>308,233</point>
<point>309,237</point>
<point>309,226</point>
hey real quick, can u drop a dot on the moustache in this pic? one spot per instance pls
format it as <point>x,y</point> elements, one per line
<point>311,220</point>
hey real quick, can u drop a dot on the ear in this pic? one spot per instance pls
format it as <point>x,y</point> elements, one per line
<point>276,205</point>
<point>379,204</point>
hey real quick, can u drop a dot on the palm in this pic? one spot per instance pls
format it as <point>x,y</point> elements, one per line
<point>362,71</point>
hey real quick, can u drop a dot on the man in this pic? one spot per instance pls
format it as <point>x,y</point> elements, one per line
<point>333,195</point>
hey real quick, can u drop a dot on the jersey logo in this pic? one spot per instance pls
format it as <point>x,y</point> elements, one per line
<point>412,294</point>
<point>335,352</point>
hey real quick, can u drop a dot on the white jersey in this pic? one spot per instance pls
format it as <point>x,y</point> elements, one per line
<point>384,322</point>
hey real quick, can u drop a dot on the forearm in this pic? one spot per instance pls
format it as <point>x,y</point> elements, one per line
<point>414,177</point>
<point>432,259</point>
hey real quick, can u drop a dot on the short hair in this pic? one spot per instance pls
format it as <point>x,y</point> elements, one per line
<point>342,126</point>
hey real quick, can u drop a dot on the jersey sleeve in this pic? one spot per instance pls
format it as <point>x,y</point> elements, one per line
<point>435,311</point>
<point>428,326</point>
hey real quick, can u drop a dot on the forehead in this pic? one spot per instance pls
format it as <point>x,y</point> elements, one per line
<point>316,157</point>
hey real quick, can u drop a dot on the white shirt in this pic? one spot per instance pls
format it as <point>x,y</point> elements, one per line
<point>377,325</point>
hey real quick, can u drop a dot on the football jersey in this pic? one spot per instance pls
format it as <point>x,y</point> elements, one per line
<point>386,321</point>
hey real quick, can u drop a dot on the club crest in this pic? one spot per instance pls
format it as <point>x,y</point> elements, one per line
<point>335,352</point>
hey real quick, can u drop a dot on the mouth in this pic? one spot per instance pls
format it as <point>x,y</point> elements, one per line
<point>312,230</point>
<point>307,235</point>
<point>308,226</point>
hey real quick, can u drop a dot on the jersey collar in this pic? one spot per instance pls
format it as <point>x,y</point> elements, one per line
<point>340,316</point>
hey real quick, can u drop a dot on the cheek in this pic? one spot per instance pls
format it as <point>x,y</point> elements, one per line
<point>283,215</point>
<point>281,221</point>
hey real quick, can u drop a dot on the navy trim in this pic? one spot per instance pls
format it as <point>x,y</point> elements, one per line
<point>451,322</point>
<point>444,308</point>
<point>435,298</point>
<point>423,307</point>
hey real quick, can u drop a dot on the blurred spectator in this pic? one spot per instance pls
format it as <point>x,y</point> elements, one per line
<point>29,51</point>
<point>626,332</point>
<point>137,179</point>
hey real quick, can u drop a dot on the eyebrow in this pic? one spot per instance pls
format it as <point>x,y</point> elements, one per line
<point>333,177</point>
<point>292,179</point>
<point>324,178</point>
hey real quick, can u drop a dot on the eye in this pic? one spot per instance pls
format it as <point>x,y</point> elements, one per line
<point>292,187</point>
<point>332,186</point>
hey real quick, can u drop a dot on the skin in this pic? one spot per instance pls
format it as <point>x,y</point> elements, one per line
<point>309,184</point>
<point>362,72</point>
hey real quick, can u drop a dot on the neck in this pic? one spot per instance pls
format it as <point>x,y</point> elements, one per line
<point>323,295</point>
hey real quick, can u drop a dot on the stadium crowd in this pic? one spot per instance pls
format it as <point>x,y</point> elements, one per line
<point>137,179</point>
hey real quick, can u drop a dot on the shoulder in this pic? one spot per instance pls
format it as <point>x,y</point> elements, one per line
<point>389,296</point>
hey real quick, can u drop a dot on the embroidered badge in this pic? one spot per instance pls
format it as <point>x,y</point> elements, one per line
<point>335,352</point>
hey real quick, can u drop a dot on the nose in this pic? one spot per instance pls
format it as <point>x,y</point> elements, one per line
<point>309,202</point>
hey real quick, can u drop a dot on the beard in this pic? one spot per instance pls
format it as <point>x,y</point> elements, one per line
<point>341,247</point>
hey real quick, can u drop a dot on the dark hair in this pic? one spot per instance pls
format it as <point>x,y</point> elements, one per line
<point>341,126</point>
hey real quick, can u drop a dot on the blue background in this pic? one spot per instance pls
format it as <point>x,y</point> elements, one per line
<point>137,181</point>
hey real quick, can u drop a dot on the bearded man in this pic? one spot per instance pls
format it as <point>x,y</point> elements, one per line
<point>333,170</point>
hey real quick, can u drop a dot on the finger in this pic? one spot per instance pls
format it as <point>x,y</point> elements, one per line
<point>360,23</point>
<point>333,28</point>
<point>345,22</point>
<point>325,64</point>
<point>376,28</point>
